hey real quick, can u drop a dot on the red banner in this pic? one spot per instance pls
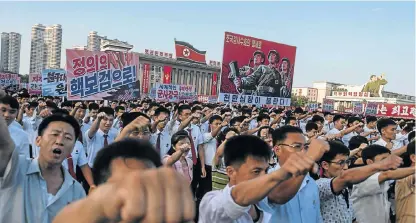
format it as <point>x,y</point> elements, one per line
<point>167,72</point>
<point>214,84</point>
<point>396,111</point>
<point>146,77</point>
<point>186,52</point>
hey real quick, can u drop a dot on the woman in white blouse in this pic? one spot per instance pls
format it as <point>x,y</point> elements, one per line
<point>176,156</point>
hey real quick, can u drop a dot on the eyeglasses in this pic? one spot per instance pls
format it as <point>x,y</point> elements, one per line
<point>297,147</point>
<point>342,162</point>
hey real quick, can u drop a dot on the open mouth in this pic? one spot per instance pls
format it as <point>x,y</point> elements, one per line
<point>57,151</point>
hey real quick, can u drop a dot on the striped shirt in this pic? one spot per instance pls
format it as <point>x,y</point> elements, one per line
<point>219,176</point>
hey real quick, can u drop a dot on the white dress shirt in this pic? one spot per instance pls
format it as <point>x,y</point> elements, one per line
<point>370,201</point>
<point>24,196</point>
<point>210,148</point>
<point>381,142</point>
<point>79,157</point>
<point>219,206</point>
<point>20,139</point>
<point>346,138</point>
<point>96,143</point>
<point>165,140</point>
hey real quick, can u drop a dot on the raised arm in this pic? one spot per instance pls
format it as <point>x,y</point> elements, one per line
<point>359,174</point>
<point>395,174</point>
<point>95,125</point>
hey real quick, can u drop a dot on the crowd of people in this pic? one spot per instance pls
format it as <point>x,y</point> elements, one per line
<point>147,161</point>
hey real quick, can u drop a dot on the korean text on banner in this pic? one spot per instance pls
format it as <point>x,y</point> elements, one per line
<point>102,75</point>
<point>328,105</point>
<point>175,93</point>
<point>357,108</point>
<point>7,79</point>
<point>35,84</point>
<point>146,78</point>
<point>396,111</point>
<point>371,109</point>
<point>312,106</point>
<point>54,82</point>
<point>266,79</point>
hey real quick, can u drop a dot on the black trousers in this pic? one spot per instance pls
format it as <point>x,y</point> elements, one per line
<point>205,184</point>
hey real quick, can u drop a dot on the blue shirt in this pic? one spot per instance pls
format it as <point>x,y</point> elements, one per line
<point>304,207</point>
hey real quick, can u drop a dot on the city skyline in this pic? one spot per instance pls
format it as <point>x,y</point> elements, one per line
<point>340,42</point>
<point>10,52</point>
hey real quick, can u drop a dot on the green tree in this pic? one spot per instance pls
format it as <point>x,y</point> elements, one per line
<point>299,101</point>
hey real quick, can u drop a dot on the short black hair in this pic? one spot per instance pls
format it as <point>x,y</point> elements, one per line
<point>224,110</point>
<point>353,119</point>
<point>236,119</point>
<point>118,108</point>
<point>196,108</point>
<point>238,148</point>
<point>33,104</point>
<point>356,141</point>
<point>280,134</point>
<point>128,117</point>
<point>288,119</point>
<point>370,152</point>
<point>298,110</point>
<point>106,110</point>
<point>369,119</point>
<point>179,135</point>
<point>383,123</point>
<point>335,148</point>
<point>126,148</point>
<point>311,126</point>
<point>214,117</point>
<point>269,129</point>
<point>161,109</point>
<point>338,117</point>
<point>66,104</point>
<point>263,116</point>
<point>183,107</point>
<point>60,117</point>
<point>93,106</point>
<point>318,118</point>
<point>11,101</point>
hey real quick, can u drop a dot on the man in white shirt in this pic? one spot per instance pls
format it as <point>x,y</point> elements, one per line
<point>369,198</point>
<point>216,123</point>
<point>117,121</point>
<point>328,123</point>
<point>339,125</point>
<point>8,108</point>
<point>246,158</point>
<point>35,190</point>
<point>387,130</point>
<point>100,134</point>
<point>160,137</point>
<point>401,137</point>
<point>78,158</point>
<point>371,127</point>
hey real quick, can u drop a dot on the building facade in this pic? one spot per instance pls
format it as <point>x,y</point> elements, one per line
<point>344,95</point>
<point>310,93</point>
<point>46,45</point>
<point>94,41</point>
<point>115,45</point>
<point>79,47</point>
<point>198,75</point>
<point>10,52</point>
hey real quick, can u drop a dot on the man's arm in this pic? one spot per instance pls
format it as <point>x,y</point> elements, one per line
<point>95,125</point>
<point>359,174</point>
<point>395,174</point>
<point>86,171</point>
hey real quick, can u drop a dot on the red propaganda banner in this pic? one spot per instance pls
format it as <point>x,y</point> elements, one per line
<point>35,84</point>
<point>396,111</point>
<point>146,77</point>
<point>167,71</point>
<point>187,52</point>
<point>256,71</point>
<point>214,84</point>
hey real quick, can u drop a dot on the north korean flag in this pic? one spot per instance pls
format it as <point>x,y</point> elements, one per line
<point>186,52</point>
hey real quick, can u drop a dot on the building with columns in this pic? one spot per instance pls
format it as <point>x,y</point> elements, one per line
<point>185,73</point>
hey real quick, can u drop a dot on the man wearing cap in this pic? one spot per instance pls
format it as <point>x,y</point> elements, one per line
<point>265,81</point>
<point>286,77</point>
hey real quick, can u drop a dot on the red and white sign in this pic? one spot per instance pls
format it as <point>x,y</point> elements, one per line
<point>396,111</point>
<point>35,84</point>
<point>146,77</point>
<point>351,94</point>
<point>207,98</point>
